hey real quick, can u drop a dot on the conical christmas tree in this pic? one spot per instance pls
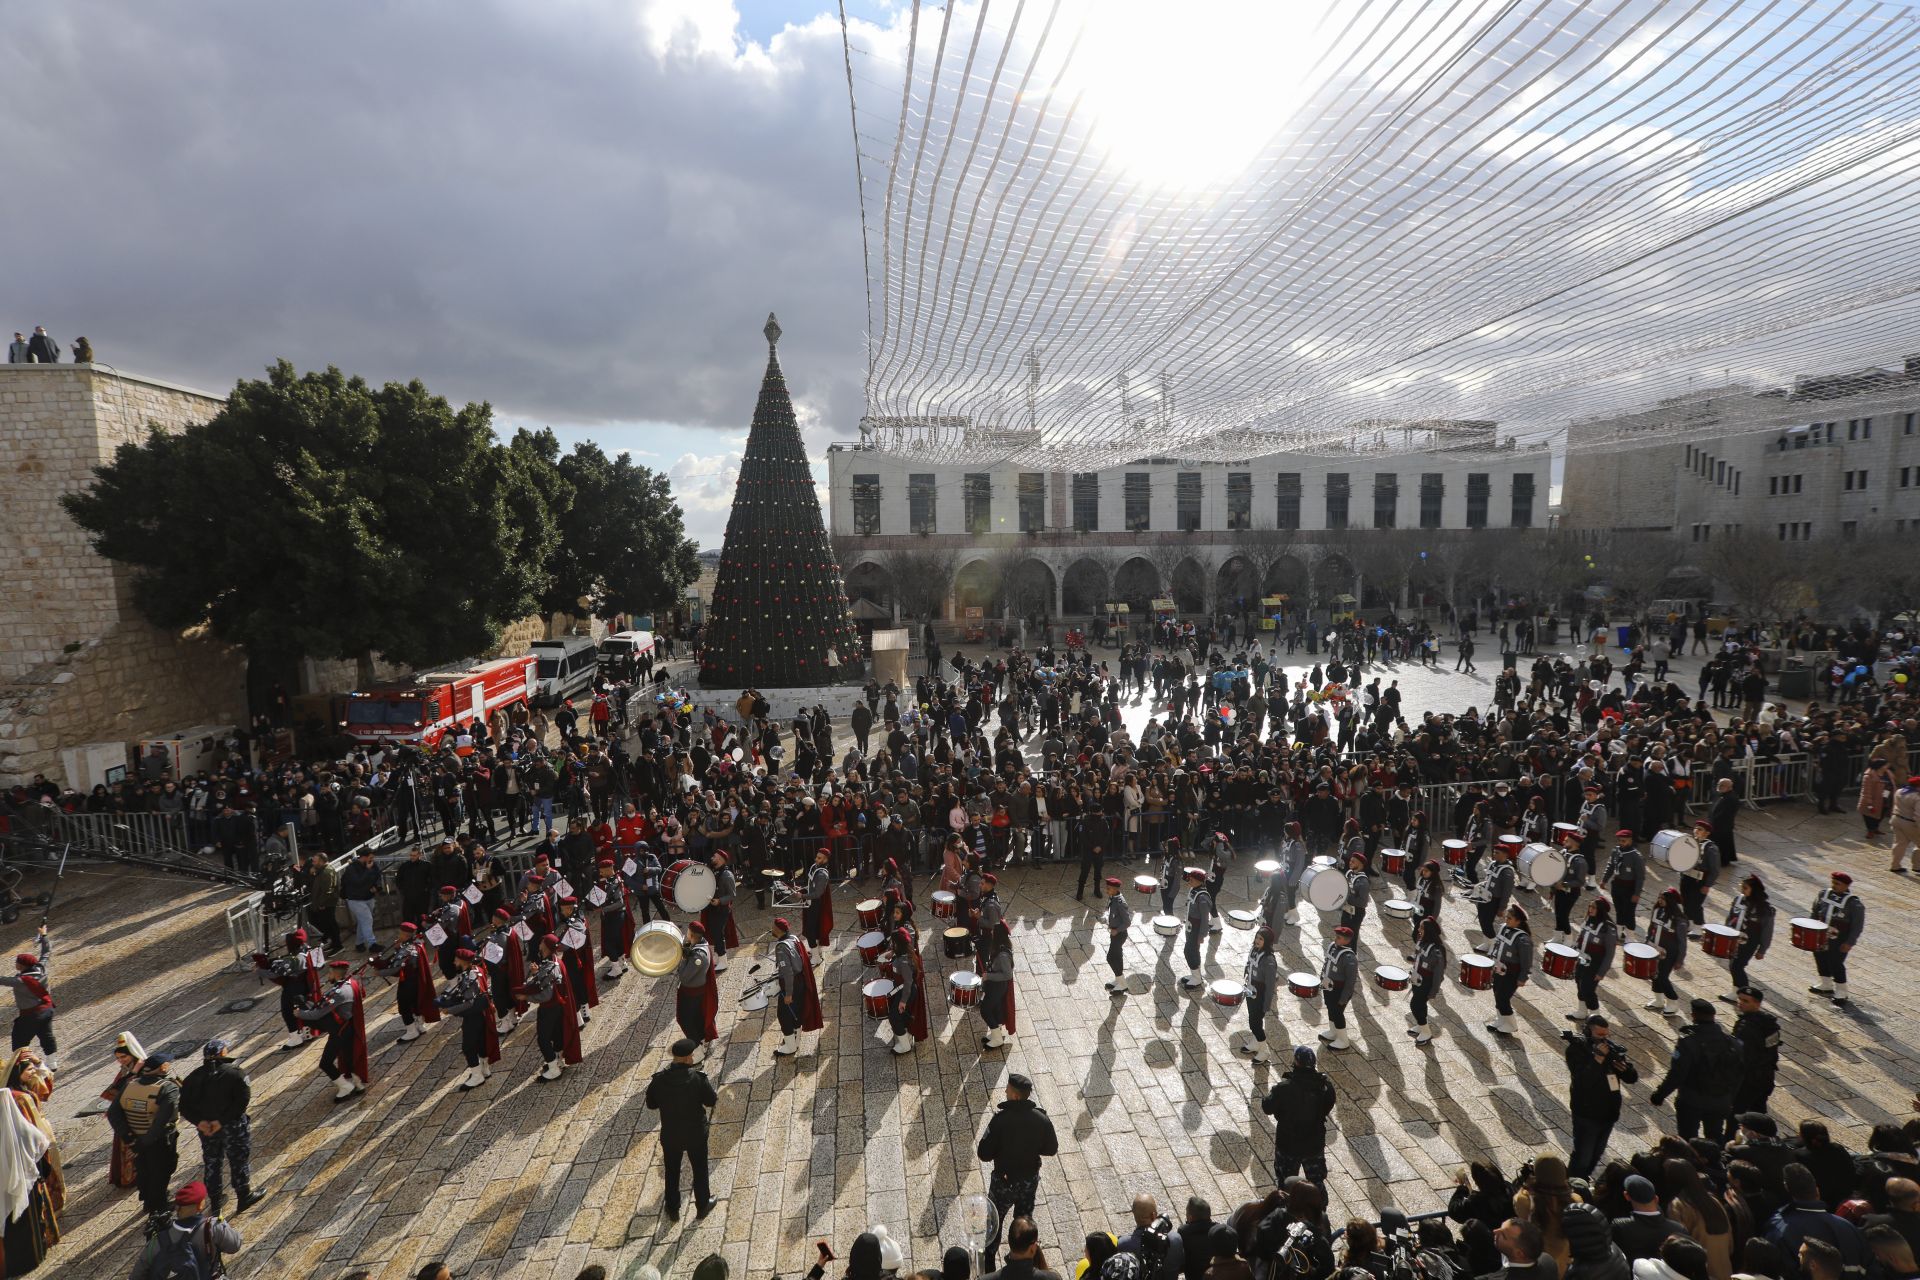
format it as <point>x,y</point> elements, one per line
<point>779,617</point>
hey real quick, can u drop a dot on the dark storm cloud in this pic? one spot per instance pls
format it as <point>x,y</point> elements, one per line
<point>577,209</point>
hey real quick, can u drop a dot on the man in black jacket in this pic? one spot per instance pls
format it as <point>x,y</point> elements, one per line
<point>1300,1102</point>
<point>1759,1035</point>
<point>1596,1068</point>
<point>1018,1137</point>
<point>1523,1252</point>
<point>1726,807</point>
<point>1641,1233</point>
<point>682,1095</point>
<point>214,1099</point>
<point>1706,1072</point>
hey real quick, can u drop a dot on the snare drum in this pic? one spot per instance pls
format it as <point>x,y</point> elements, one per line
<point>956,944</point>
<point>1680,851</point>
<point>963,989</point>
<point>1810,934</point>
<point>1146,886</point>
<point>1267,866</point>
<point>1513,844</point>
<point>1226,992</point>
<point>1456,852</point>
<point>1543,865</point>
<point>944,904</point>
<point>870,945</point>
<point>1476,973</point>
<point>1389,977</point>
<point>1558,960</point>
<point>689,885</point>
<point>1394,860</point>
<point>1323,861</point>
<point>1640,960</point>
<point>1304,985</point>
<point>1167,925</point>
<point>1720,941</point>
<point>1399,908</point>
<point>868,913</point>
<point>1565,831</point>
<point>1324,888</point>
<point>876,996</point>
<point>1242,919</point>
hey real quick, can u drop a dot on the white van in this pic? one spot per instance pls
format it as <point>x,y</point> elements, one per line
<point>562,668</point>
<point>626,644</point>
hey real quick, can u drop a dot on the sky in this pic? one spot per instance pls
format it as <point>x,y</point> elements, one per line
<point>580,211</point>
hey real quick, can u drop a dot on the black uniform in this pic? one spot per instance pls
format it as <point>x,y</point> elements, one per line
<point>682,1094</point>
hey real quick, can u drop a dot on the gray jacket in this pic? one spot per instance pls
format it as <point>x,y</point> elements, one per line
<point>789,967</point>
<point>695,964</point>
<point>1337,973</point>
<point>1262,975</point>
<point>25,999</point>
<point>1199,908</point>
<point>212,1236</point>
<point>1596,945</point>
<point>1119,913</point>
<point>1626,863</point>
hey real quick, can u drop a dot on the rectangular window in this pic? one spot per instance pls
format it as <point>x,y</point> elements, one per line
<point>1903,476</point>
<point>1433,496</point>
<point>1783,533</point>
<point>866,505</point>
<point>1797,480</point>
<point>1690,463</point>
<point>1478,490</point>
<point>922,510</point>
<point>1773,486</point>
<point>1719,473</point>
<point>1736,484</point>
<point>1853,428</point>
<point>1286,508</point>
<point>1830,427</point>
<point>1906,424</point>
<point>1139,495</point>
<point>976,498</point>
<point>1186,501</point>
<point>1086,501</point>
<point>1239,500</point>
<point>1846,481</point>
<point>1523,500</point>
<point>1848,528</point>
<point>1861,485</point>
<point>1337,495</point>
<point>1386,499</point>
<point>1033,501</point>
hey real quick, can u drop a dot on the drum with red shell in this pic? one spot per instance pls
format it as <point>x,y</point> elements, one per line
<point>1476,973</point>
<point>945,904</point>
<point>1391,977</point>
<point>1810,934</point>
<point>1226,992</point>
<point>963,989</point>
<point>868,913</point>
<point>1456,852</point>
<point>1720,941</point>
<point>1558,960</point>
<point>1304,985</point>
<point>876,996</point>
<point>1640,960</point>
<point>1394,860</point>
<point>870,945</point>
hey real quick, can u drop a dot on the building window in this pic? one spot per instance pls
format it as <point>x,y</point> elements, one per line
<point>866,505</point>
<point>1773,486</point>
<point>1478,489</point>
<point>1186,502</point>
<point>1337,495</point>
<point>1033,501</point>
<point>1855,482</point>
<point>976,502</point>
<point>1239,500</point>
<point>1139,495</point>
<point>1386,499</point>
<point>1433,495</point>
<point>1736,484</point>
<point>1905,481</point>
<point>1797,482</point>
<point>1906,424</point>
<point>1830,426</point>
<point>1859,428</point>
<point>1848,528</point>
<point>921,507</point>
<point>1286,508</point>
<point>1689,455</point>
<point>1086,501</point>
<point>1523,500</point>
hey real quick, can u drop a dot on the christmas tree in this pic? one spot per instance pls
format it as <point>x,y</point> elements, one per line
<point>779,617</point>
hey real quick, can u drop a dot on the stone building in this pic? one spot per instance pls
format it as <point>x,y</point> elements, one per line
<point>78,664</point>
<point>1210,536</point>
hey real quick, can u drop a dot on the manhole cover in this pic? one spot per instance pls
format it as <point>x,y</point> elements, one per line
<point>178,1049</point>
<point>239,1006</point>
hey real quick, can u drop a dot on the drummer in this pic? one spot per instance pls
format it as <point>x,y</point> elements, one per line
<point>1338,974</point>
<point>1596,944</point>
<point>1429,966</point>
<point>1416,842</point>
<point>1119,921</point>
<point>717,915</point>
<point>798,1009</point>
<point>1752,917</point>
<point>1512,957</point>
<point>973,887</point>
<point>1626,875</point>
<point>1432,889</point>
<point>1494,892</point>
<point>1592,820</point>
<point>1567,890</point>
<point>895,882</point>
<point>1846,918</point>
<point>697,994</point>
<point>996,1001</point>
<point>1262,977</point>
<point>645,880</point>
<point>990,912</point>
<point>1353,911</point>
<point>1170,873</point>
<point>900,916</point>
<point>907,1005</point>
<point>616,918</point>
<point>1667,934</point>
<point>1276,900</point>
<point>816,918</point>
<point>1199,913</point>
<point>1696,880</point>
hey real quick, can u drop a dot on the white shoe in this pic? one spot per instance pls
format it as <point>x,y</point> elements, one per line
<point>411,1033</point>
<point>1340,1041</point>
<point>1214,927</point>
<point>503,1025</point>
<point>1261,1053</point>
<point>294,1040</point>
<point>903,1044</point>
<point>1326,1033</point>
<point>343,1088</point>
<point>1840,993</point>
<point>1190,983</point>
<point>475,1077</point>
<point>550,1072</point>
<point>1425,1036</point>
<point>359,1086</point>
<point>700,1052</point>
<point>52,1064</point>
<point>486,1069</point>
<point>1654,1003</point>
<point>789,1045</point>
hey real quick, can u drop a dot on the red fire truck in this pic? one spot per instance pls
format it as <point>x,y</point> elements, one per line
<point>421,711</point>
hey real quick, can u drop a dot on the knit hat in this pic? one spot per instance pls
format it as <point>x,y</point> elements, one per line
<point>1303,1056</point>
<point>892,1257</point>
<point>192,1193</point>
<point>1639,1190</point>
<point>1589,1235</point>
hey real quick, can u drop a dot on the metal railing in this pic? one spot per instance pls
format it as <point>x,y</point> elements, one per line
<point>152,835</point>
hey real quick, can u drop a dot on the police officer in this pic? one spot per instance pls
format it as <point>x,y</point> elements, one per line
<point>142,1115</point>
<point>1759,1035</point>
<point>214,1099</point>
<point>1706,1073</point>
<point>683,1095</point>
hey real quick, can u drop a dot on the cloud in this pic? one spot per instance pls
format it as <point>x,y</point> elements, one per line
<point>581,211</point>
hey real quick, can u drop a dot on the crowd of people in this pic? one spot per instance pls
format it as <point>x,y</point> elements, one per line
<point>42,349</point>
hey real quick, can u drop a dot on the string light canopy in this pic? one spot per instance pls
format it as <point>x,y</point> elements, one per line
<point>1103,229</point>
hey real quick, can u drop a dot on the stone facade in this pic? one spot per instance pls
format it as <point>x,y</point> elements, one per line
<point>78,663</point>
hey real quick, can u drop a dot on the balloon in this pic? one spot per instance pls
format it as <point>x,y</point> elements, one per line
<point>1900,678</point>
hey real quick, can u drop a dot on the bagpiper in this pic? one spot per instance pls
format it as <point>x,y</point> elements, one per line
<point>468,999</point>
<point>558,1032</point>
<point>614,900</point>
<point>576,954</point>
<point>798,1009</point>
<point>506,971</point>
<point>342,1015</point>
<point>297,974</point>
<point>406,963</point>
<point>697,994</point>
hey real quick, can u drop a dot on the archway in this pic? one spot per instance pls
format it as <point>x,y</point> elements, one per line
<point>1136,583</point>
<point>1084,588</point>
<point>870,582</point>
<point>1029,590</point>
<point>1238,586</point>
<point>1286,576</point>
<point>974,587</point>
<point>1332,576</point>
<point>1189,588</point>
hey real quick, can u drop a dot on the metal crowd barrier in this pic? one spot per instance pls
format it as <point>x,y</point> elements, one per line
<point>152,835</point>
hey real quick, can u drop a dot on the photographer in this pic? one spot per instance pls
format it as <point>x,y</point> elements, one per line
<point>1596,1068</point>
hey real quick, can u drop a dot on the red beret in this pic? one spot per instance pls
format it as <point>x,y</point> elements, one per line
<point>697,927</point>
<point>989,878</point>
<point>340,964</point>
<point>501,913</point>
<point>410,926</point>
<point>1114,881</point>
<point>464,953</point>
<point>570,898</point>
<point>551,940</point>
<point>780,922</point>
<point>1624,832</point>
<point>1843,877</point>
<point>606,862</point>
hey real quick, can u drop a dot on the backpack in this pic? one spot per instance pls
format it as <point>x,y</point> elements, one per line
<point>188,1255</point>
<point>1153,1250</point>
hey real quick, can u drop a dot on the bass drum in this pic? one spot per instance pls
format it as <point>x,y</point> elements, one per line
<point>1680,851</point>
<point>689,885</point>
<point>1543,865</point>
<point>656,948</point>
<point>1325,888</point>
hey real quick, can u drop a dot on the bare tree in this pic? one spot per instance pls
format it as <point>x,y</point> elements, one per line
<point>1637,566</point>
<point>1386,559</point>
<point>1878,574</point>
<point>921,577</point>
<point>1166,558</point>
<point>1764,576</point>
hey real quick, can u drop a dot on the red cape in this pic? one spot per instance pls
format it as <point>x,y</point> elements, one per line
<point>826,918</point>
<point>514,960</point>
<point>917,1006</point>
<point>570,1025</point>
<point>811,1017</point>
<point>1012,1025</point>
<point>580,971</point>
<point>423,1006</point>
<point>729,930</point>
<point>710,1008</point>
<point>490,1038</point>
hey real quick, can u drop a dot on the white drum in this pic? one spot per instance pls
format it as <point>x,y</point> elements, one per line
<point>1543,864</point>
<point>1167,925</point>
<point>689,885</point>
<point>1399,908</point>
<point>1325,888</point>
<point>1679,850</point>
<point>1242,919</point>
<point>1323,861</point>
<point>1267,866</point>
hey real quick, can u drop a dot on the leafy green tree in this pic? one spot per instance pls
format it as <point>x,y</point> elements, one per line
<point>317,516</point>
<point>623,546</point>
